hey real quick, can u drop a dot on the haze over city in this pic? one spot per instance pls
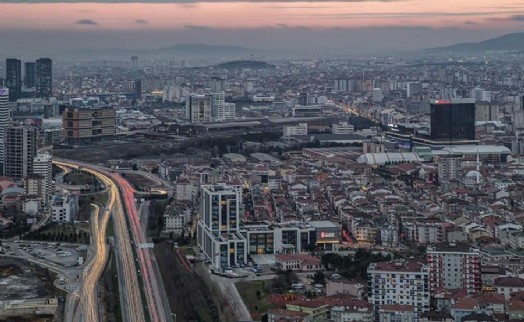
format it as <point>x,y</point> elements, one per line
<point>48,27</point>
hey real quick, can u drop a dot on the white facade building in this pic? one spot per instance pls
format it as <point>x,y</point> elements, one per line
<point>292,130</point>
<point>5,118</point>
<point>404,283</point>
<point>198,108</point>
<point>342,128</point>
<point>454,266</point>
<point>43,166</point>
<point>64,207</point>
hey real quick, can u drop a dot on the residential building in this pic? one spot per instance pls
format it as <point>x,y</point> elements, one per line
<point>83,125</point>
<point>399,283</point>
<point>64,207</point>
<point>413,88</point>
<point>5,119</point>
<point>43,166</point>
<point>485,112</point>
<point>397,313</point>
<point>449,168</point>
<point>508,285</point>
<point>218,229</point>
<point>279,315</point>
<point>199,108</point>
<point>345,287</point>
<point>44,77</point>
<point>354,310</point>
<point>184,190</point>
<point>454,266</point>
<point>20,150</point>
<point>34,185</point>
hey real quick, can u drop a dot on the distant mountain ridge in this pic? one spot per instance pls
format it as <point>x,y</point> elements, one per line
<point>245,64</point>
<point>179,49</point>
<point>509,42</point>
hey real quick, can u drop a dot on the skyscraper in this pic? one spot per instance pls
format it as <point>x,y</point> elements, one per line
<point>5,119</point>
<point>452,120</point>
<point>20,150</point>
<point>134,62</point>
<point>30,75</point>
<point>44,77</point>
<point>13,78</point>
<point>138,88</point>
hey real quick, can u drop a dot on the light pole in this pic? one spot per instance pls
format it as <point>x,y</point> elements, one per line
<point>173,314</point>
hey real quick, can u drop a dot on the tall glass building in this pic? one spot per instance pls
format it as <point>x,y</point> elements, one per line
<point>13,78</point>
<point>452,120</point>
<point>44,77</point>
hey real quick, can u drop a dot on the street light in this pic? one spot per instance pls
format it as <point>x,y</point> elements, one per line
<point>173,314</point>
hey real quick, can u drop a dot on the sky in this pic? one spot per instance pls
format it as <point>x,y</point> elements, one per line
<point>34,27</point>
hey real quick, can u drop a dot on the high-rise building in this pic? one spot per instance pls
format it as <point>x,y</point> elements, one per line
<point>44,77</point>
<point>449,168</point>
<point>303,99</point>
<point>138,89</point>
<point>199,108</point>
<point>5,119</point>
<point>20,150</point>
<point>217,85</point>
<point>30,75</point>
<point>13,78</point>
<point>480,95</point>
<point>454,266</point>
<point>452,120</point>
<point>224,112</point>
<point>134,62</point>
<point>401,282</point>
<point>43,166</point>
<point>34,185</point>
<point>376,95</point>
<point>218,231</point>
<point>413,88</point>
<point>82,125</point>
<point>486,112</point>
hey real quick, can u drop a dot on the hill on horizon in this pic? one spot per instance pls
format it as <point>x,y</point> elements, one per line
<point>508,42</point>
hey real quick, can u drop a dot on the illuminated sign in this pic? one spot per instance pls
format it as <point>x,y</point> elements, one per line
<point>4,91</point>
<point>327,235</point>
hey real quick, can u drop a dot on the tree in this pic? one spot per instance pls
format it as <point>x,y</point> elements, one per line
<point>319,278</point>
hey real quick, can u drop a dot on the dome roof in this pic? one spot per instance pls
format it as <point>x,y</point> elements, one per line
<point>473,174</point>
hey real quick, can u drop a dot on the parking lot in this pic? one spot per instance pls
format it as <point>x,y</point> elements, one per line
<point>66,255</point>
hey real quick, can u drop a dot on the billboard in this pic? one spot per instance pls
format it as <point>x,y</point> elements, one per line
<point>4,91</point>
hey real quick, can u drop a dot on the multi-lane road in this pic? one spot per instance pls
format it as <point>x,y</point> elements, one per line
<point>121,202</point>
<point>133,308</point>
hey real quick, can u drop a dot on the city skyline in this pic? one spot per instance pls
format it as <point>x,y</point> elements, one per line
<point>48,27</point>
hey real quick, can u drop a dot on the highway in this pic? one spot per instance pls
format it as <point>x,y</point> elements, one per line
<point>157,311</point>
<point>132,308</point>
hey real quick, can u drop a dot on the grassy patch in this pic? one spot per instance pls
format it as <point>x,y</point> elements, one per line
<point>255,295</point>
<point>187,251</point>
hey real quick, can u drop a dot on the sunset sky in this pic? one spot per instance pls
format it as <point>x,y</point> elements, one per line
<point>43,25</point>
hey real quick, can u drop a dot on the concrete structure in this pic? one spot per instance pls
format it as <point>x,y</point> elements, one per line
<point>20,150</point>
<point>404,283</point>
<point>83,125</point>
<point>449,168</point>
<point>486,112</point>
<point>298,262</point>
<point>34,185</point>
<point>64,207</point>
<point>454,266</point>
<point>43,166</point>
<point>199,108</point>
<point>342,128</point>
<point>218,231</point>
<point>413,88</point>
<point>345,287</point>
<point>294,130</point>
<point>5,119</point>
